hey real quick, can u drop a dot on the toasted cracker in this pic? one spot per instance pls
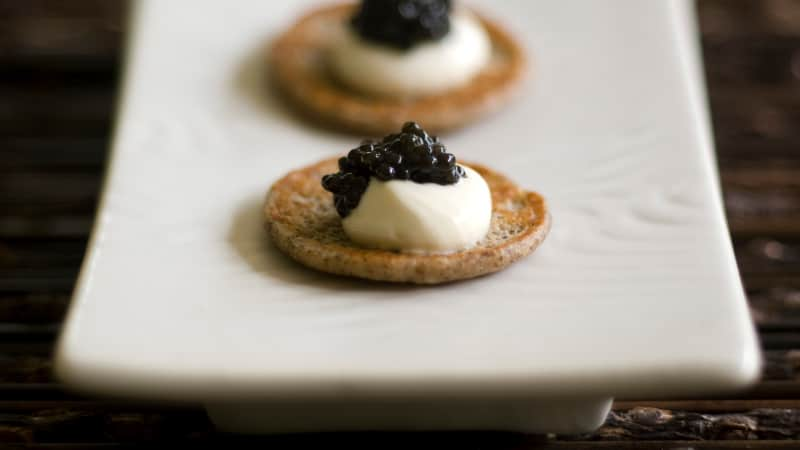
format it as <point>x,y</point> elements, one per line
<point>303,223</point>
<point>300,71</point>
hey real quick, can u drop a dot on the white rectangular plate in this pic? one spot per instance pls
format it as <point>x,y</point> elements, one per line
<point>634,293</point>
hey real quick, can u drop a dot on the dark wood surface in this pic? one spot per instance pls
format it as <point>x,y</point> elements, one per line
<point>59,62</point>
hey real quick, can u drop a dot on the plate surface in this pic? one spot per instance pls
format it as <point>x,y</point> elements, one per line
<point>634,293</point>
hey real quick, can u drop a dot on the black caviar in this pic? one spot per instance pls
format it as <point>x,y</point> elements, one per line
<point>411,154</point>
<point>402,23</point>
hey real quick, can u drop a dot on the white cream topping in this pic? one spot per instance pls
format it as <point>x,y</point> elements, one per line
<point>426,68</point>
<point>424,217</point>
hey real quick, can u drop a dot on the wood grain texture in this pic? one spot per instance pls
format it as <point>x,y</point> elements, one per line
<point>70,421</point>
<point>59,62</point>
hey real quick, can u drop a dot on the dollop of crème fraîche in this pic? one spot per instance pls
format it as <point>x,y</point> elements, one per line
<point>444,60</point>
<point>407,193</point>
<point>422,217</point>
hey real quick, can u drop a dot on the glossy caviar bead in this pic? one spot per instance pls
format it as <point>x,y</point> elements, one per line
<point>412,154</point>
<point>330,182</point>
<point>413,128</point>
<point>371,159</point>
<point>393,158</point>
<point>402,23</point>
<point>385,172</point>
<point>446,160</point>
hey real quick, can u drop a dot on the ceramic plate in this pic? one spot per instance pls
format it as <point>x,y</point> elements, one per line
<point>634,293</point>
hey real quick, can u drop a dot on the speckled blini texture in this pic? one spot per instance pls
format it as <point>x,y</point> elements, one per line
<point>302,221</point>
<point>299,70</point>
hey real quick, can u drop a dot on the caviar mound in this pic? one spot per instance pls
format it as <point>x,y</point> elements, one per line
<point>300,74</point>
<point>402,23</point>
<point>303,223</point>
<point>412,154</point>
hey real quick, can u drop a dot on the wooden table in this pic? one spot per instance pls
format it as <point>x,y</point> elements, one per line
<point>58,67</point>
